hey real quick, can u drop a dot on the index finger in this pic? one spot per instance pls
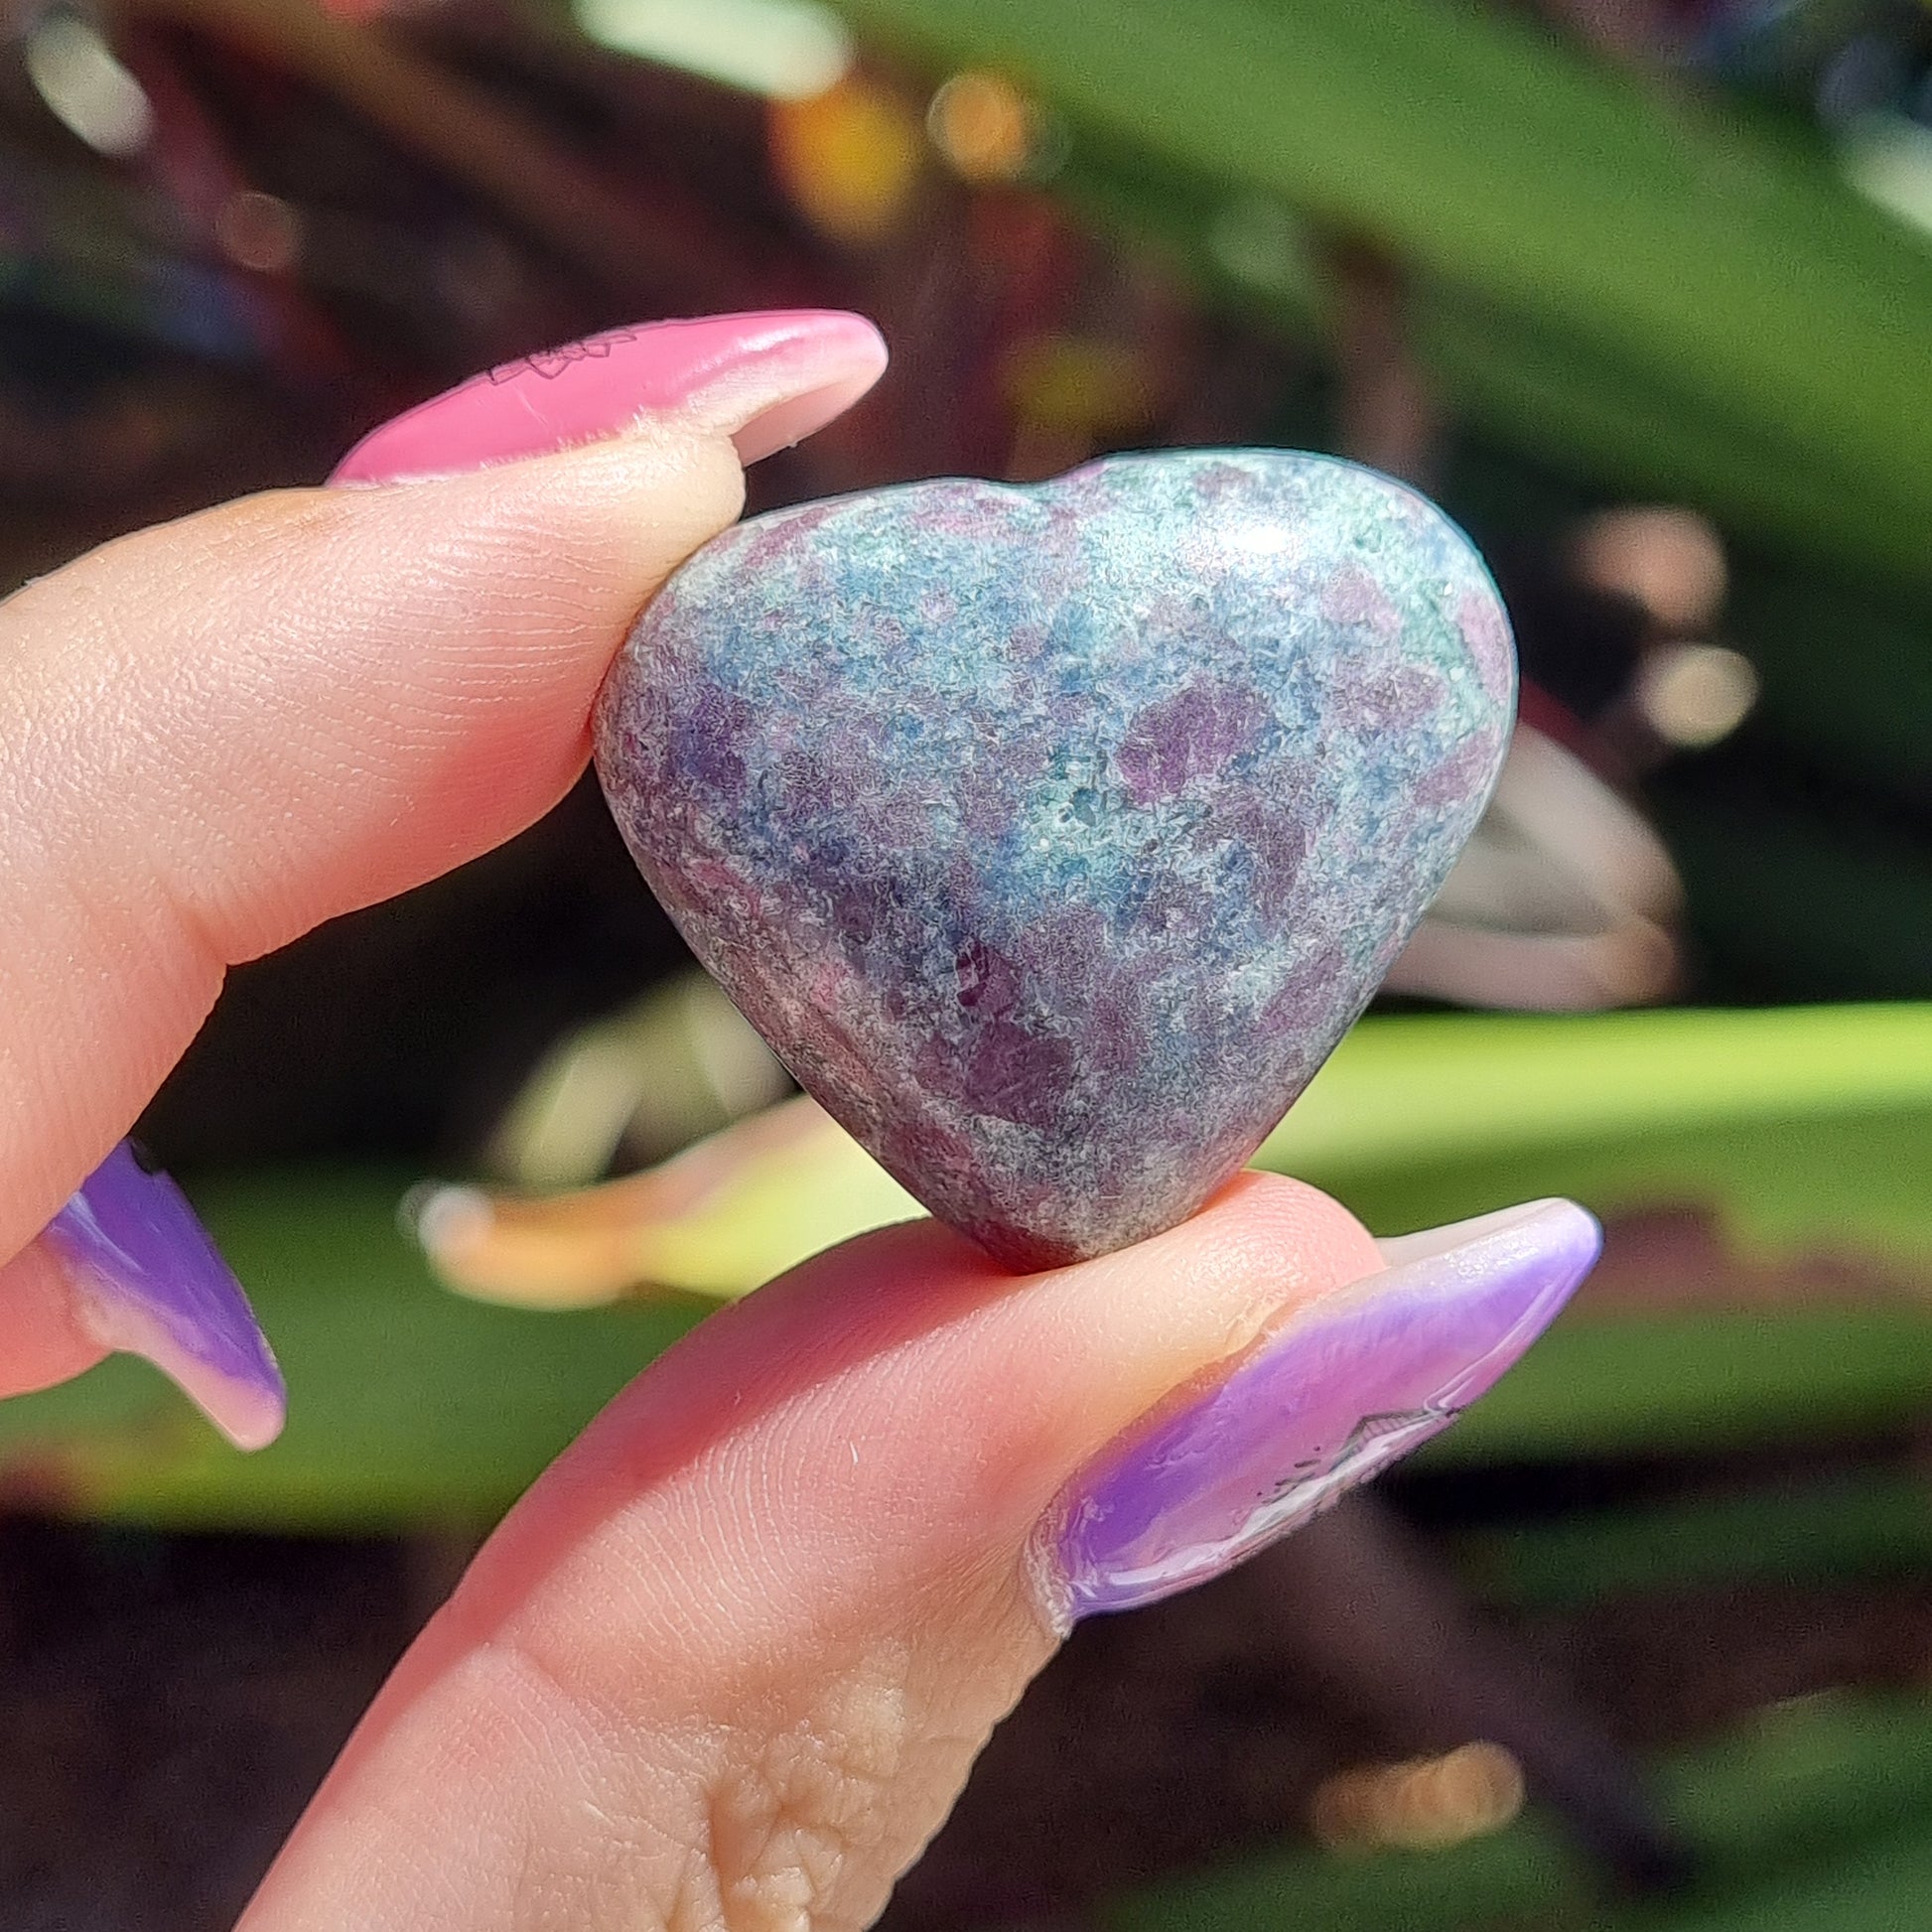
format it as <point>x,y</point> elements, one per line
<point>215,735</point>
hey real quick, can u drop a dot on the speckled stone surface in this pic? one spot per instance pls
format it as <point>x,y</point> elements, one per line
<point>1054,836</point>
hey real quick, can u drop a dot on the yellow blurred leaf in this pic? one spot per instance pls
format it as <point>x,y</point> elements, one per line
<point>716,1220</point>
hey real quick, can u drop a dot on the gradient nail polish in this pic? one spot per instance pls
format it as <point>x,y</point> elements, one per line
<point>767,380</point>
<point>147,1279</point>
<point>1345,1387</point>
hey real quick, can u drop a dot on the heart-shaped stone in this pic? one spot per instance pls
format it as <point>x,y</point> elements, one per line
<point>1054,836</point>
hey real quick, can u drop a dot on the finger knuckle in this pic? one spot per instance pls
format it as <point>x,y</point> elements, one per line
<point>793,1825</point>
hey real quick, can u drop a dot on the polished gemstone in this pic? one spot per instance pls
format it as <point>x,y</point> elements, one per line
<point>1055,835</point>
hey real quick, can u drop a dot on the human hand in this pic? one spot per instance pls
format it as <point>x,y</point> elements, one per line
<point>730,1660</point>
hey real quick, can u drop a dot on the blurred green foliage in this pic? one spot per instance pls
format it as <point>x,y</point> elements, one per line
<point>1806,1127</point>
<point>1609,268</point>
<point>1801,1132</point>
<point>1789,1531</point>
<point>1812,1816</point>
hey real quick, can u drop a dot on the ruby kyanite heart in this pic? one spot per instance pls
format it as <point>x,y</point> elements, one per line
<point>1054,836</point>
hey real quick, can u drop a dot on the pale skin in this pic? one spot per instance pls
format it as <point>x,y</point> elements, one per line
<point>729,1662</point>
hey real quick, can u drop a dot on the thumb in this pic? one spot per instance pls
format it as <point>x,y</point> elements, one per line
<point>728,1665</point>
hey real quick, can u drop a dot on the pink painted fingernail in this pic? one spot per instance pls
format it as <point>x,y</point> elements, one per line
<point>1343,1389</point>
<point>767,380</point>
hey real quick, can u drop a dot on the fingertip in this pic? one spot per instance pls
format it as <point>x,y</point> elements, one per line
<point>1263,1243</point>
<point>42,1341</point>
<point>1272,1219</point>
<point>1340,1388</point>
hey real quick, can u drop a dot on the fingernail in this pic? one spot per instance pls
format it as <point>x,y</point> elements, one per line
<point>1345,1387</point>
<point>148,1281</point>
<point>767,380</point>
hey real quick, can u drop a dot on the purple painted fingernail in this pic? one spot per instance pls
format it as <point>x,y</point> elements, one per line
<point>1349,1384</point>
<point>148,1281</point>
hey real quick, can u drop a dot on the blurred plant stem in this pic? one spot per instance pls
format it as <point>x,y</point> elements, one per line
<point>1803,1129</point>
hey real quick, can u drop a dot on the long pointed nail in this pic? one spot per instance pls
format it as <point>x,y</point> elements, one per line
<point>767,380</point>
<point>148,1281</point>
<point>1347,1385</point>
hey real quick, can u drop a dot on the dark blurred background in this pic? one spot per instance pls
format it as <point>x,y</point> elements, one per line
<point>1641,290</point>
